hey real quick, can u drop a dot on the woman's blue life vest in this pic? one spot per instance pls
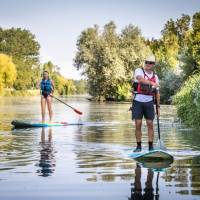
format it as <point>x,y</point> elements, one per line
<point>46,87</point>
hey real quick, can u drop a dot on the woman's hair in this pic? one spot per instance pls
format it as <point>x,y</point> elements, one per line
<point>45,71</point>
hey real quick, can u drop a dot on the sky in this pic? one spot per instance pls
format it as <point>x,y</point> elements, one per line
<point>57,24</point>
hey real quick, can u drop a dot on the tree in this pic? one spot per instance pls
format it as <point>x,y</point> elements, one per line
<point>24,49</point>
<point>19,43</point>
<point>108,59</point>
<point>183,30</point>
<point>190,59</point>
<point>81,86</point>
<point>50,67</point>
<point>187,101</point>
<point>7,72</point>
<point>195,38</point>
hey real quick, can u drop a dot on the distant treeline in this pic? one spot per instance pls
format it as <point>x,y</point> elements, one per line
<point>20,68</point>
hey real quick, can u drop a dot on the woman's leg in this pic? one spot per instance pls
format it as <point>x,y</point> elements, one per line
<point>43,106</point>
<point>49,100</point>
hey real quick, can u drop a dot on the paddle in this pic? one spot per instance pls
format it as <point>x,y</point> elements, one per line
<point>75,110</point>
<point>160,144</point>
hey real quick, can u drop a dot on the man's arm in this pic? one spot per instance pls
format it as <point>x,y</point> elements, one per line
<point>158,98</point>
<point>145,81</point>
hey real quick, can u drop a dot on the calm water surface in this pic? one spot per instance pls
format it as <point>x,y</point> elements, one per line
<point>92,161</point>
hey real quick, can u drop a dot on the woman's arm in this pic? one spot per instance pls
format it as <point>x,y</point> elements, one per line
<point>38,85</point>
<point>53,86</point>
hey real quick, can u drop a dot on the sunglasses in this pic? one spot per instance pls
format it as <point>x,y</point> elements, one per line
<point>149,63</point>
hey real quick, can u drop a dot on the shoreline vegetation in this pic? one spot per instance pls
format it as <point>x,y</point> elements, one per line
<point>21,93</point>
<point>107,58</point>
<point>30,92</point>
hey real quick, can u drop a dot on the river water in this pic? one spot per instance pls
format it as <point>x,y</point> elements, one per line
<point>92,161</point>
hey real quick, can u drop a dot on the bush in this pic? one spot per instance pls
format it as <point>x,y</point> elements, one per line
<point>170,83</point>
<point>187,101</point>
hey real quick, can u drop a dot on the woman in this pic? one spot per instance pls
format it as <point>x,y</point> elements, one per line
<point>46,86</point>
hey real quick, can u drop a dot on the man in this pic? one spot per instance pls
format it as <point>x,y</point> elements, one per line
<point>146,86</point>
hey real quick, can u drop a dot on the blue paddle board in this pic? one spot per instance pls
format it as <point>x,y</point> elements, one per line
<point>149,156</point>
<point>25,124</point>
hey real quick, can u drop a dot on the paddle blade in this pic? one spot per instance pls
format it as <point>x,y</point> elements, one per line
<point>77,111</point>
<point>160,145</point>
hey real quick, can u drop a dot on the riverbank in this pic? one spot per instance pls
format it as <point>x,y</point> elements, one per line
<point>11,92</point>
<point>33,92</point>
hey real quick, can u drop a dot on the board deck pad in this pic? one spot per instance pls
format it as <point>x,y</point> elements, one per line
<point>26,124</point>
<point>149,156</point>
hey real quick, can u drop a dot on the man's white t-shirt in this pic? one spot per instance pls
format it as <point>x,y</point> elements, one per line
<point>142,97</point>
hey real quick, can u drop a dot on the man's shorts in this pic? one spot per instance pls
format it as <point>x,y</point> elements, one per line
<point>140,109</point>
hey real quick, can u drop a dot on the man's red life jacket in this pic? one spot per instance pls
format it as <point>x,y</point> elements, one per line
<point>146,89</point>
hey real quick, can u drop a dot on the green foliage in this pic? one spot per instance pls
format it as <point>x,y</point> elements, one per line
<point>187,101</point>
<point>81,86</point>
<point>24,49</point>
<point>177,53</point>
<point>122,92</point>
<point>190,54</point>
<point>27,75</point>
<point>19,43</point>
<point>169,84</point>
<point>62,85</point>
<point>172,45</point>
<point>50,67</point>
<point>29,93</point>
<point>167,48</point>
<point>7,72</point>
<point>179,48</point>
<point>195,38</point>
<point>183,30</point>
<point>108,59</point>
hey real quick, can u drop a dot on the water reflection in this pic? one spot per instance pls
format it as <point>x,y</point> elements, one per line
<point>47,160</point>
<point>184,175</point>
<point>147,192</point>
<point>93,156</point>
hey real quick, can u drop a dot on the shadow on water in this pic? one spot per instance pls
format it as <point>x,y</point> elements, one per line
<point>47,161</point>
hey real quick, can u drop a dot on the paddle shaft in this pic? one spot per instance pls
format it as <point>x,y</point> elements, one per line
<point>77,111</point>
<point>158,121</point>
<point>61,101</point>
